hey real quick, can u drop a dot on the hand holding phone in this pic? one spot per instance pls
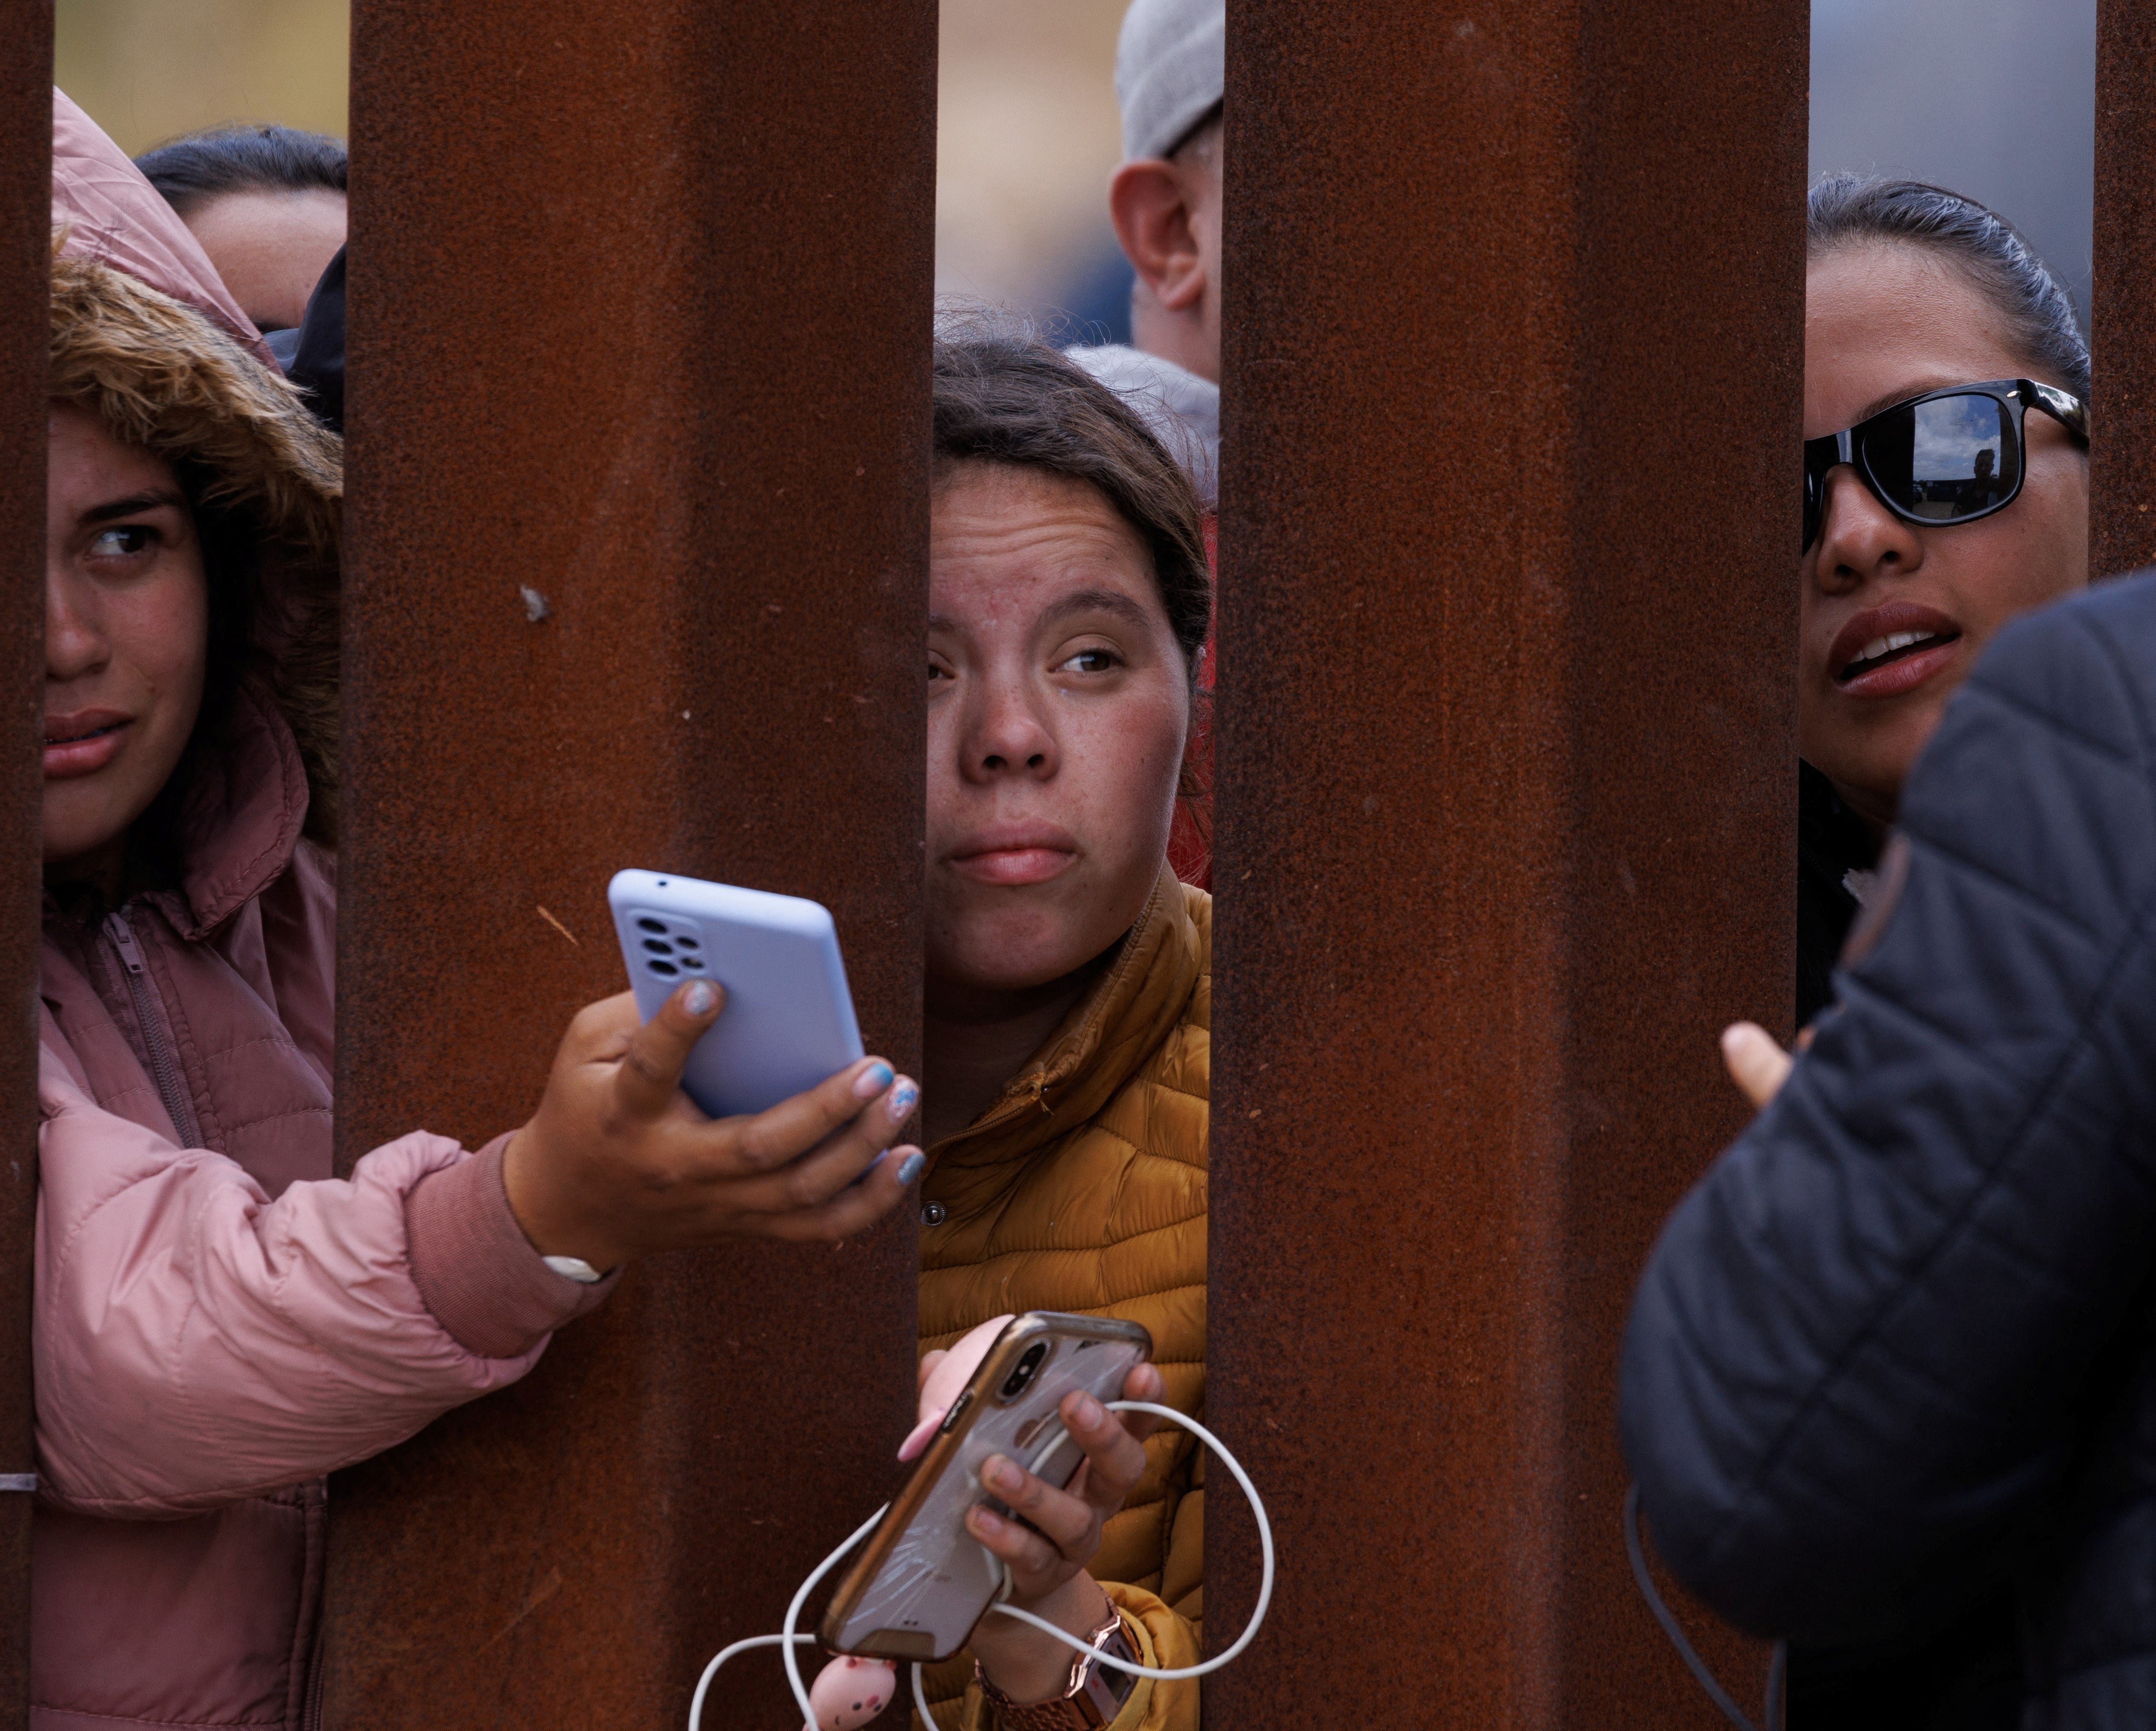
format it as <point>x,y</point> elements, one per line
<point>617,1161</point>
<point>934,1565</point>
<point>1050,1535</point>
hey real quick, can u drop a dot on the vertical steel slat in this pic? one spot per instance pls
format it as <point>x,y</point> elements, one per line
<point>2122,323</point>
<point>639,528</point>
<point>1505,807</point>
<point>25,162</point>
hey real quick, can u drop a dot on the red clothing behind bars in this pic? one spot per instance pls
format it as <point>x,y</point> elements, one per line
<point>1190,836</point>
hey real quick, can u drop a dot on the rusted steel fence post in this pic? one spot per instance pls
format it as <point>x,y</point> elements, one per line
<point>639,526</point>
<point>1507,806</point>
<point>26,227</point>
<point>2121,319</point>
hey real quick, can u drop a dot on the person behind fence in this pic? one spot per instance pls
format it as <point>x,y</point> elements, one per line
<point>1942,515</point>
<point>268,204</point>
<point>1896,1356</point>
<point>218,1323</point>
<point>1164,202</point>
<point>1068,990</point>
<point>1908,569</point>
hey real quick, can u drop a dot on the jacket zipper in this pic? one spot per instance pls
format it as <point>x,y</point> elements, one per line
<point>164,1064</point>
<point>312,1718</point>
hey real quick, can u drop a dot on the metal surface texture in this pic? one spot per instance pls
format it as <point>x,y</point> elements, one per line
<point>2122,320</point>
<point>636,577</point>
<point>26,154</point>
<point>1506,809</point>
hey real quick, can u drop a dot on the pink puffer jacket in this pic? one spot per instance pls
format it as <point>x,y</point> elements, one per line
<point>219,1322</point>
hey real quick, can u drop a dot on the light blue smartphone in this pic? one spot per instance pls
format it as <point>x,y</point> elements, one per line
<point>788,1020</point>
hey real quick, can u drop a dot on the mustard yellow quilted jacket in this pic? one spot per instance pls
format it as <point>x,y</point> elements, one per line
<point>1083,1188</point>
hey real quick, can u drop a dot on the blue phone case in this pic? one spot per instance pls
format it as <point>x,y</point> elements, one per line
<point>788,1020</point>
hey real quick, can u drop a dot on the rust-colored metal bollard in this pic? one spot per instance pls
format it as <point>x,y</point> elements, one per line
<point>25,159</point>
<point>1505,807</point>
<point>2122,322</point>
<point>639,529</point>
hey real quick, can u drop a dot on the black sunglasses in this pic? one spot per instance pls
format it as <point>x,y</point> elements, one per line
<point>1948,456</point>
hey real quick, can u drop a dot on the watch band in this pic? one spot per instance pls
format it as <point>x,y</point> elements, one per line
<point>1095,1694</point>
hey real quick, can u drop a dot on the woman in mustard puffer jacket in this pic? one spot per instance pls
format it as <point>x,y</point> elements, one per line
<point>1068,993</point>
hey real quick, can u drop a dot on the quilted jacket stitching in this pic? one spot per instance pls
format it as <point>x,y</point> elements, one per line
<point>1890,1301</point>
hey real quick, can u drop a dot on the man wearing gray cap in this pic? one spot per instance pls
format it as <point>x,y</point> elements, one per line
<point>1165,203</point>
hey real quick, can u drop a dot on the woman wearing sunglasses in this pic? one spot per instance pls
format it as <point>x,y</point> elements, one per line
<point>1946,490</point>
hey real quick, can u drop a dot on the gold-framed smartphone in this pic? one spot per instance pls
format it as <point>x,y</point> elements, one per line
<point>924,1580</point>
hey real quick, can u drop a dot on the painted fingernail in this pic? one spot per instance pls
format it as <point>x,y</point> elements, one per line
<point>698,998</point>
<point>1004,1476</point>
<point>909,1168</point>
<point>901,1101</point>
<point>1089,1413</point>
<point>872,1081</point>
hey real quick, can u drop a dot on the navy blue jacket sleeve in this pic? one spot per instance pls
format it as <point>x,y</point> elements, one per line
<point>1852,1367</point>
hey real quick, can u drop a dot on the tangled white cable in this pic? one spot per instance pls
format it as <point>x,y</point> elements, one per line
<point>787,1641</point>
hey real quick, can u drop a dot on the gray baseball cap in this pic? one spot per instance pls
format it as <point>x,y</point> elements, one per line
<point>1171,63</point>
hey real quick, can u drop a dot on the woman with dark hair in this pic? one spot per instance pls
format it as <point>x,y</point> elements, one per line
<point>1945,491</point>
<point>1068,995</point>
<point>267,204</point>
<point>219,1322</point>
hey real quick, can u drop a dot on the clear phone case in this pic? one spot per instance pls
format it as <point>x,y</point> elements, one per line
<point>924,1580</point>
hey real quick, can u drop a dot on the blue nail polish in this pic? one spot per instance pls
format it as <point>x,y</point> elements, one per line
<point>901,1101</point>
<point>699,998</point>
<point>909,1168</point>
<point>872,1081</point>
<point>880,1075</point>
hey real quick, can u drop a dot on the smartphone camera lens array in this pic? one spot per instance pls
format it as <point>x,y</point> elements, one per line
<point>671,947</point>
<point>1024,1372</point>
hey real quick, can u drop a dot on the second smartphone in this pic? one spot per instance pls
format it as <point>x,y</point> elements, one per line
<point>925,1580</point>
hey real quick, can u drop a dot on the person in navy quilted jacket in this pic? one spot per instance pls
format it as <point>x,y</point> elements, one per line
<point>1898,1349</point>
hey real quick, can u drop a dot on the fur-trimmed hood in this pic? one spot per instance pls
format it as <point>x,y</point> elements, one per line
<point>258,467</point>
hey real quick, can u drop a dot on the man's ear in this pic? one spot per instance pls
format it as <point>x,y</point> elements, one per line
<point>1150,205</point>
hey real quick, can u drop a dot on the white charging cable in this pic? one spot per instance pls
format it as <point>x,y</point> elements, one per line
<point>787,1641</point>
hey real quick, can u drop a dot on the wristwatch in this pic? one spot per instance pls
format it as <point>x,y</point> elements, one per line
<point>1096,1693</point>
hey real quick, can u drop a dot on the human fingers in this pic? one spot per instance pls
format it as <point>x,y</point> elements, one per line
<point>650,1073</point>
<point>789,1129</point>
<point>807,1180</point>
<point>1114,1460</point>
<point>1757,1064</point>
<point>853,1210</point>
<point>1144,1383</point>
<point>1066,1520</point>
<point>814,1178</point>
<point>1039,1563</point>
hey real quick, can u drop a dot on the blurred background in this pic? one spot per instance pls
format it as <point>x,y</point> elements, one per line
<point>1991,97</point>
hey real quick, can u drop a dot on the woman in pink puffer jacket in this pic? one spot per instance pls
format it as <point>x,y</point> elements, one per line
<point>219,1323</point>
